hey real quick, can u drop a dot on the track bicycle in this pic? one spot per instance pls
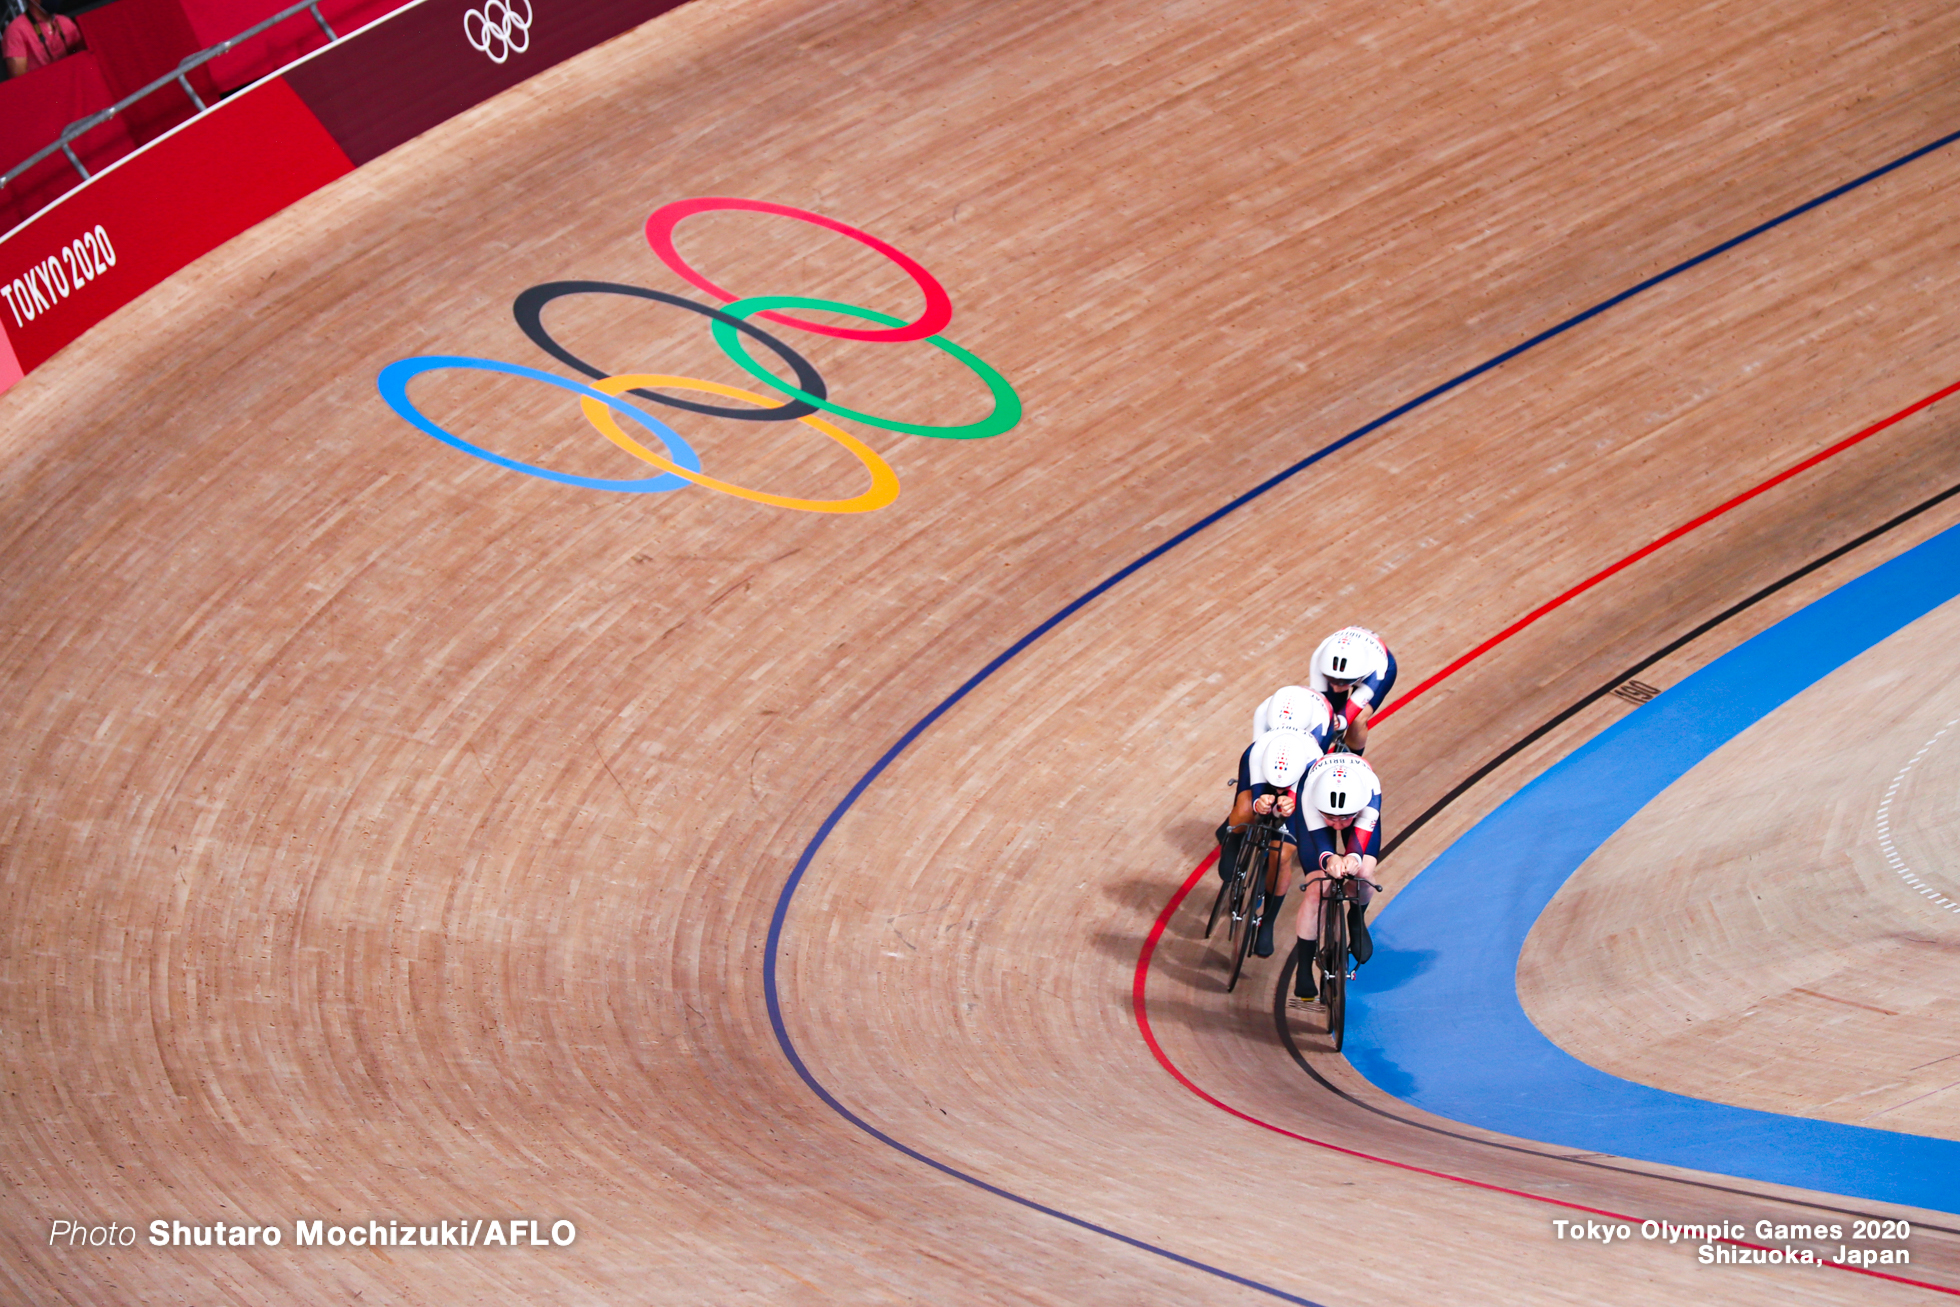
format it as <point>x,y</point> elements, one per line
<point>1244,892</point>
<point>1333,954</point>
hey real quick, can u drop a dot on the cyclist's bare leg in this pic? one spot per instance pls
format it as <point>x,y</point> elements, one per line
<point>1357,730</point>
<point>1306,925</point>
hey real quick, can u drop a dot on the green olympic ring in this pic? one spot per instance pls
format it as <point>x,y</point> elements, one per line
<point>1007,404</point>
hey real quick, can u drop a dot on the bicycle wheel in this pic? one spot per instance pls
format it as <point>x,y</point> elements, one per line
<point>1333,953</point>
<point>1217,902</point>
<point>1235,906</point>
<point>1232,892</point>
<point>1255,906</point>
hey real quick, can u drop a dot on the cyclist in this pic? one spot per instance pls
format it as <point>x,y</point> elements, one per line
<point>1279,758</point>
<point>1291,707</point>
<point>1355,670</point>
<point>1335,828</point>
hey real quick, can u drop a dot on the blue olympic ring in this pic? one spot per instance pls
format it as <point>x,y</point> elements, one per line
<point>393,384</point>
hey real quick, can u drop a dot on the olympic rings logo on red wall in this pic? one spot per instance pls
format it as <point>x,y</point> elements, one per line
<point>499,32</point>
<point>604,402</point>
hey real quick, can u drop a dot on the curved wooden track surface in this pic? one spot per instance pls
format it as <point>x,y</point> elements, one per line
<point>1760,857</point>
<point>387,835</point>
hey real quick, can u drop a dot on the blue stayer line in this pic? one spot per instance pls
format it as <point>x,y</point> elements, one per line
<point>779,919</point>
<point>1440,1024</point>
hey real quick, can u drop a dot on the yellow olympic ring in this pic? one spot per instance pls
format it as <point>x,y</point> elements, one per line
<point>884,481</point>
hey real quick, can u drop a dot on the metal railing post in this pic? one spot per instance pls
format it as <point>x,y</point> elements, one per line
<point>185,82</point>
<point>69,150</point>
<point>190,62</point>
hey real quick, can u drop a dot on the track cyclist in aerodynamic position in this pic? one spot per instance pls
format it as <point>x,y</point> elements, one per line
<point>1355,670</point>
<point>1277,762</point>
<point>1336,826</point>
<point>1291,707</point>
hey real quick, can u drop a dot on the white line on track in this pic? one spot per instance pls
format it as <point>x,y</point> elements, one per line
<point>1885,826</point>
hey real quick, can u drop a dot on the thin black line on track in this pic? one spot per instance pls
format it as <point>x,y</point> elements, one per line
<point>1285,1027</point>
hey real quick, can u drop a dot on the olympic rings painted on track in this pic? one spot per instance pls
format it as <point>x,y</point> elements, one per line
<point>394,381</point>
<point>884,481</point>
<point>529,311</point>
<point>1007,404</point>
<point>939,306</point>
<point>602,402</point>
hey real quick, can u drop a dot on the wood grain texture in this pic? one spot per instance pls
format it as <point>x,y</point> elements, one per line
<point>387,835</point>
<point>1771,855</point>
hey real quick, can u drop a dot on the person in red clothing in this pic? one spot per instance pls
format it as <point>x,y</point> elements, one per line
<point>36,39</point>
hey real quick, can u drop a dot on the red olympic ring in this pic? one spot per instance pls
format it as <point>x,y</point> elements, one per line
<point>939,306</point>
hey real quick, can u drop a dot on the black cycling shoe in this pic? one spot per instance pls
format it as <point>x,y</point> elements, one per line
<point>1359,942</point>
<point>1303,986</point>
<point>1263,946</point>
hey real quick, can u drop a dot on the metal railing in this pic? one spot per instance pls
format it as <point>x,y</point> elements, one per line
<point>66,141</point>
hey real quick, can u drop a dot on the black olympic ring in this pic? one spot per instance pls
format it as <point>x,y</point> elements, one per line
<point>529,312</point>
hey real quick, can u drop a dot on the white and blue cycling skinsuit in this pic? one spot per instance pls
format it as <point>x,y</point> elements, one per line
<point>1372,691</point>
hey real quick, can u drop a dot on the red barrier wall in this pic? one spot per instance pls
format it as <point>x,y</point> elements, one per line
<point>267,53</point>
<point>136,42</point>
<point>396,80</point>
<point>34,108</point>
<point>185,195</point>
<point>190,191</point>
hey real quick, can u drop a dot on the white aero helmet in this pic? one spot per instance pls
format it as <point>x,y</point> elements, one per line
<point>1341,785</point>
<point>1259,726</point>
<point>1351,654</point>
<point>1293,707</point>
<point>1281,755</point>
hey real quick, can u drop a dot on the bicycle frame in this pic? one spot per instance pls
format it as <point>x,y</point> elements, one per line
<point>1332,953</point>
<point>1245,890</point>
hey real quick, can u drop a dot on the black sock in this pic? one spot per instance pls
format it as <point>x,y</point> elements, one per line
<point>1263,946</point>
<point>1360,942</point>
<point>1303,951</point>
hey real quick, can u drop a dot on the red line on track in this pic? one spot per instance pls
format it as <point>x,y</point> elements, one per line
<point>1157,929</point>
<point>1668,539</point>
<point>1163,1060</point>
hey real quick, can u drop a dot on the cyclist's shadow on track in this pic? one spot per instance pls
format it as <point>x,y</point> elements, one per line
<point>1392,967</point>
<point>1206,1016</point>
<point>1205,972</point>
<point>1375,1068</point>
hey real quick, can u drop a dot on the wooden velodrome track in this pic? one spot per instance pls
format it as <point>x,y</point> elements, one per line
<point>387,835</point>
